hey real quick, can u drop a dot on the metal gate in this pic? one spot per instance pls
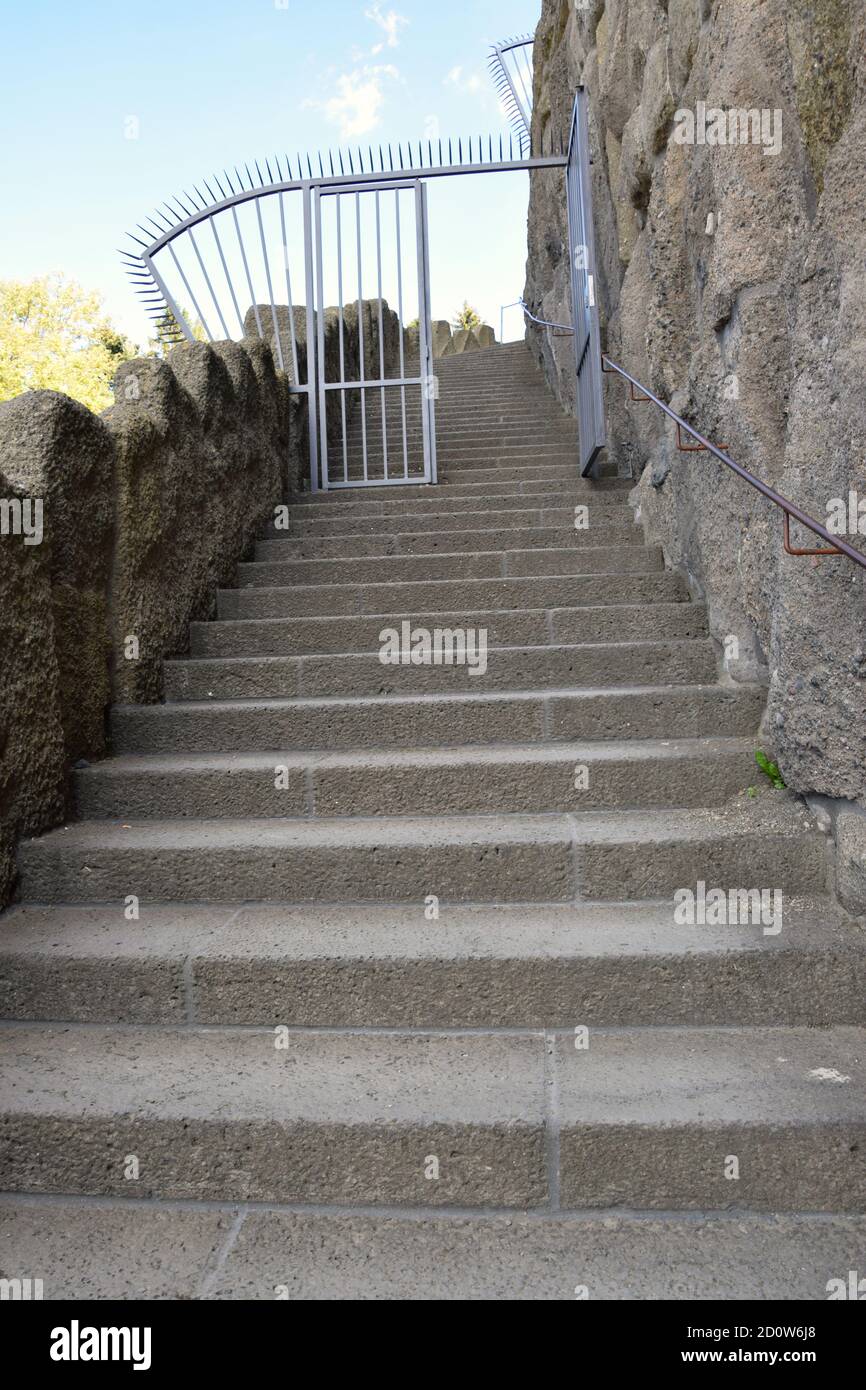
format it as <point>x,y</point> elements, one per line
<point>587,338</point>
<point>376,401</point>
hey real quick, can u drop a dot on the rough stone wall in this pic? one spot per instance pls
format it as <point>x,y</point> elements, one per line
<point>731,281</point>
<point>145,510</point>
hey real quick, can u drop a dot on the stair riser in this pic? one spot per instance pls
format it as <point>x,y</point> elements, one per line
<point>474,790</point>
<point>528,629</point>
<point>783,1167</point>
<point>457,494</point>
<point>542,871</point>
<point>747,989</point>
<point>584,560</point>
<point>654,663</point>
<point>245,1160</point>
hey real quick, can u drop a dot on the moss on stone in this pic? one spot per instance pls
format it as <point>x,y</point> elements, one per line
<point>819,39</point>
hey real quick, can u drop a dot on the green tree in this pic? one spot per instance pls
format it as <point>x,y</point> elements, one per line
<point>55,335</point>
<point>169,332</point>
<point>467,317</point>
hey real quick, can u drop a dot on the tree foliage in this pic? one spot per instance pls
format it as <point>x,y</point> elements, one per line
<point>55,335</point>
<point>467,317</point>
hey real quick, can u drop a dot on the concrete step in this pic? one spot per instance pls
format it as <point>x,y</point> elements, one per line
<point>442,720</point>
<point>691,662</point>
<point>227,1115</point>
<point>511,628</point>
<point>644,1120</point>
<point>446,502</point>
<point>543,858</point>
<point>418,596</point>
<point>530,778</point>
<point>415,518</point>
<point>501,563</point>
<point>96,1248</point>
<point>343,542</point>
<point>627,965</point>
<point>450,493</point>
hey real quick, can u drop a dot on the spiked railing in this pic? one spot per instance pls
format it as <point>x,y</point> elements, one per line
<point>511,68</point>
<point>283,175</point>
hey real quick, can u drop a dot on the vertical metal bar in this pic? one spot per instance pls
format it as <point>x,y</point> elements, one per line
<point>400,317</point>
<point>274,320</point>
<point>423,327</point>
<point>363,372</point>
<point>320,317</point>
<point>339,207</point>
<point>208,283</point>
<point>255,306</point>
<point>289,292</point>
<point>188,289</point>
<point>219,248</point>
<point>312,411</point>
<point>381,334</point>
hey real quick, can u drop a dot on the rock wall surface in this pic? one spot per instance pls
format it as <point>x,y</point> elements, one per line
<point>731,281</point>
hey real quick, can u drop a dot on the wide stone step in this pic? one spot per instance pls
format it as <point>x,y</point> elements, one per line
<point>526,628</point>
<point>532,778</point>
<point>444,668</point>
<point>415,518</point>
<point>419,596</point>
<point>490,564</point>
<point>220,1253</point>
<point>646,1119</point>
<point>545,858</point>
<point>331,508</point>
<point>238,726</point>
<point>343,542</point>
<point>627,966</point>
<point>453,497</point>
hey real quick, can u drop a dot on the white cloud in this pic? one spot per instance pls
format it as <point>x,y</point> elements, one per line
<point>390,24</point>
<point>470,82</point>
<point>356,108</point>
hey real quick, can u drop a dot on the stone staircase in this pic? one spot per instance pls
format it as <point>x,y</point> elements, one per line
<point>248,1055</point>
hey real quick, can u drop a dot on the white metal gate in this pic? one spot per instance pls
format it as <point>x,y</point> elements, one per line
<point>376,391</point>
<point>587,337</point>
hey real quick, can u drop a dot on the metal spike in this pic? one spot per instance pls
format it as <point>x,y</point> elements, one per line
<point>300,169</point>
<point>370,148</point>
<point>381,161</point>
<point>196,206</point>
<point>351,165</point>
<point>400,156</point>
<point>309,166</point>
<point>213,196</point>
<point>340,157</point>
<point>145,244</point>
<point>331,160</point>
<point>460,150</point>
<point>361,159</point>
<point>391,156</point>
<point>321,165</point>
<point>204,201</point>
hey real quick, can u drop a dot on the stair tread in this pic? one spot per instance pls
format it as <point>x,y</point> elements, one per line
<point>585,827</point>
<point>288,932</point>
<point>699,1077</point>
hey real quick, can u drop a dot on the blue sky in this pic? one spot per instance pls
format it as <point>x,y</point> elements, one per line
<point>202,85</point>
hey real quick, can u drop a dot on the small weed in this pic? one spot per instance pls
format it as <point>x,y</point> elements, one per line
<point>769,769</point>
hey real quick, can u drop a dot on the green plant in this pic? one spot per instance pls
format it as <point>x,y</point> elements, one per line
<point>770,769</point>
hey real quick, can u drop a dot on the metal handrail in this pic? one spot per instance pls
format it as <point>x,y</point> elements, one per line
<point>785,505</point>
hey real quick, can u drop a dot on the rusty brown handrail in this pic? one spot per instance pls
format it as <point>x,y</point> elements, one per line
<point>785,505</point>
